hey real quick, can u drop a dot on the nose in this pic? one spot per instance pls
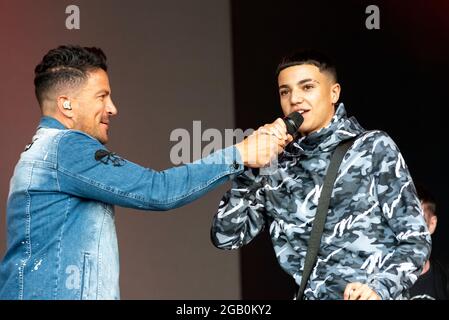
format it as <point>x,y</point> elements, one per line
<point>296,97</point>
<point>111,109</point>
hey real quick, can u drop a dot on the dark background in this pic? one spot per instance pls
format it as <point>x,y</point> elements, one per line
<point>393,79</point>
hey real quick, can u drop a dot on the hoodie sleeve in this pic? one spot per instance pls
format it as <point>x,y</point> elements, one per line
<point>240,215</point>
<point>401,209</point>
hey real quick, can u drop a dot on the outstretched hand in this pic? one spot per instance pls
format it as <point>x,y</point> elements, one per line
<point>262,147</point>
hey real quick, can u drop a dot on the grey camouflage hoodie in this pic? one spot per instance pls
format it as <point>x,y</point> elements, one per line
<point>375,232</point>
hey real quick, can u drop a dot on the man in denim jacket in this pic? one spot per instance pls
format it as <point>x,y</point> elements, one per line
<point>62,242</point>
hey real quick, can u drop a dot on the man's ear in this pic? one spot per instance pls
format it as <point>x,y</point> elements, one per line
<point>335,92</point>
<point>65,106</point>
<point>432,224</point>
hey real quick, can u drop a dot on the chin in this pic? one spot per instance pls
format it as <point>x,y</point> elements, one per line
<point>103,140</point>
<point>304,130</point>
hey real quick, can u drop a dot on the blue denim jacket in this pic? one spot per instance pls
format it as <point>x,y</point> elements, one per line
<point>61,237</point>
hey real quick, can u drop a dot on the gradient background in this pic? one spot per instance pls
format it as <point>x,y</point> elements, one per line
<point>172,62</point>
<point>169,64</point>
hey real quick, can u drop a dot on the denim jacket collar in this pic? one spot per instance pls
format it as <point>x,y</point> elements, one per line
<point>50,122</point>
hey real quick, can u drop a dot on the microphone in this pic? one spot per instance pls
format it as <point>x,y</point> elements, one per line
<point>293,121</point>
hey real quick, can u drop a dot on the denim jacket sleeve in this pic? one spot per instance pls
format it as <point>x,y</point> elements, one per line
<point>85,168</point>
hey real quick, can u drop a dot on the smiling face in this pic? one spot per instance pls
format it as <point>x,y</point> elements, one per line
<point>93,106</point>
<point>303,88</point>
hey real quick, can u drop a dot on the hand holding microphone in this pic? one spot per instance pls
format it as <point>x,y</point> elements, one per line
<point>285,129</point>
<point>259,149</point>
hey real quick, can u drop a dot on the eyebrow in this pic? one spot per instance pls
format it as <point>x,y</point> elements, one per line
<point>300,82</point>
<point>102,91</point>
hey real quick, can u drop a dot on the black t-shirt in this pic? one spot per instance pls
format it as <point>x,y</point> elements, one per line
<point>433,285</point>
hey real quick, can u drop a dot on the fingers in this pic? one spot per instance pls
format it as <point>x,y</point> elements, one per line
<point>281,127</point>
<point>350,290</point>
<point>277,144</point>
<point>271,129</point>
<point>359,291</point>
<point>281,146</point>
<point>277,128</point>
<point>259,150</point>
<point>368,294</point>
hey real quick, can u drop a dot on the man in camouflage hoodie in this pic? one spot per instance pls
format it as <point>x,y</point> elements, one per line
<point>375,240</point>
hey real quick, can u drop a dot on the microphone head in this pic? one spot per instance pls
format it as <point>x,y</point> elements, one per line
<point>293,121</point>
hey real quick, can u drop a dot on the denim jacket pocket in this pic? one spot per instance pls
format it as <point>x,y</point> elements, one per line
<point>85,284</point>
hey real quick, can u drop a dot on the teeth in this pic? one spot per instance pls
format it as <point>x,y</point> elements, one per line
<point>301,111</point>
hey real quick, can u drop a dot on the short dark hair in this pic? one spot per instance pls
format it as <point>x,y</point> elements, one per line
<point>309,56</point>
<point>66,65</point>
<point>427,198</point>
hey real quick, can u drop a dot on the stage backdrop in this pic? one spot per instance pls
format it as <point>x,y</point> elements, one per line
<point>170,64</point>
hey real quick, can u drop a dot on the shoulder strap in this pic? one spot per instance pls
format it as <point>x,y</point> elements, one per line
<point>320,217</point>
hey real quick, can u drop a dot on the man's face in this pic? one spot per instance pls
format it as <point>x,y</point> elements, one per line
<point>93,106</point>
<point>305,89</point>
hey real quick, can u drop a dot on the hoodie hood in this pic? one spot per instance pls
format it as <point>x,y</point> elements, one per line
<point>340,128</point>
